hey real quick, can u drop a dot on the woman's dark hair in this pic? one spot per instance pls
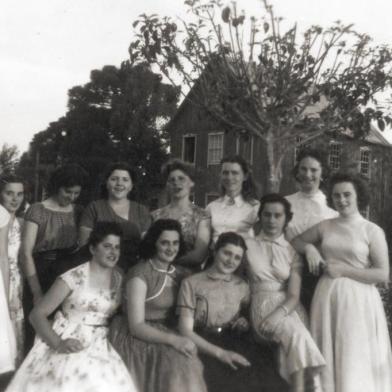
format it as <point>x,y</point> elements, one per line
<point>276,198</point>
<point>147,247</point>
<point>177,164</point>
<point>66,176</point>
<point>230,238</point>
<point>102,230</point>
<point>6,179</point>
<point>248,191</point>
<point>318,155</point>
<point>108,172</point>
<point>359,184</point>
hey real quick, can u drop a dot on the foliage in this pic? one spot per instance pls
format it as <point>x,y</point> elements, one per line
<point>8,158</point>
<point>117,115</point>
<point>277,84</point>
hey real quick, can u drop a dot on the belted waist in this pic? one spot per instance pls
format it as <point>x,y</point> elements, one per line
<point>91,319</point>
<point>54,254</point>
<point>267,286</point>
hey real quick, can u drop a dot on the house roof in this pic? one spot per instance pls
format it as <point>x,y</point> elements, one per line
<point>376,136</point>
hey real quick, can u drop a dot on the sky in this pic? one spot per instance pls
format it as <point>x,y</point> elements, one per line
<point>49,46</point>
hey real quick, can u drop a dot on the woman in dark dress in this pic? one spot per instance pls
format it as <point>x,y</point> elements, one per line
<point>115,206</point>
<point>49,239</point>
<point>158,358</point>
<point>211,306</point>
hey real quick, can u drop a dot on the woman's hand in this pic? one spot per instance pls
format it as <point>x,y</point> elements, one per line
<point>232,359</point>
<point>68,346</point>
<point>314,259</point>
<point>184,345</point>
<point>270,323</point>
<point>240,325</point>
<point>335,269</point>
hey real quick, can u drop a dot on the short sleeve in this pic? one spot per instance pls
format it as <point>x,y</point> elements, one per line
<point>75,277</point>
<point>139,271</point>
<point>186,300</point>
<point>35,214</point>
<point>4,217</point>
<point>89,216</point>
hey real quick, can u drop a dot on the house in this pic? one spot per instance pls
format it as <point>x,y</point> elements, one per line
<point>196,138</point>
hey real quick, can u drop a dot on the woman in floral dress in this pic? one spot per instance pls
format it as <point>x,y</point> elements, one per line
<point>195,221</point>
<point>74,354</point>
<point>11,198</point>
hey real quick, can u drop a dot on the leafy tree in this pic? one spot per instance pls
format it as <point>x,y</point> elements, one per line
<point>276,84</point>
<point>8,158</point>
<point>117,115</point>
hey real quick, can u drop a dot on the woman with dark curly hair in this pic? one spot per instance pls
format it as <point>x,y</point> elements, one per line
<point>49,239</point>
<point>115,206</point>
<point>236,210</point>
<point>274,271</point>
<point>159,359</point>
<point>348,320</point>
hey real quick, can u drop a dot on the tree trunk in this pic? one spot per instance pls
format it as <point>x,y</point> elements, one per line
<point>274,171</point>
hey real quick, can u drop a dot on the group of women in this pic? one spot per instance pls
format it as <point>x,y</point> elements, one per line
<point>206,292</point>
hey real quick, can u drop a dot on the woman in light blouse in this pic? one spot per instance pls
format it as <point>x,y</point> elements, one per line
<point>236,210</point>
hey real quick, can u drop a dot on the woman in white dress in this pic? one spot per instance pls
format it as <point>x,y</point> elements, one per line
<point>236,210</point>
<point>7,336</point>
<point>73,353</point>
<point>11,198</point>
<point>348,320</point>
<point>274,271</point>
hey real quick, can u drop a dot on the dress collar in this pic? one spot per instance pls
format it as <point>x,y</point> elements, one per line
<point>278,241</point>
<point>238,200</point>
<point>214,276</point>
<point>317,196</point>
<point>170,270</point>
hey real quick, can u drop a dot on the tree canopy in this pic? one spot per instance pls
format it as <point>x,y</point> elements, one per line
<point>256,76</point>
<point>8,158</point>
<point>118,115</point>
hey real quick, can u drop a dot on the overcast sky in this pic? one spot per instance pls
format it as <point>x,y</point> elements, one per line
<point>48,46</point>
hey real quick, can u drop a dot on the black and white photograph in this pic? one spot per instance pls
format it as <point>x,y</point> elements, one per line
<point>195,196</point>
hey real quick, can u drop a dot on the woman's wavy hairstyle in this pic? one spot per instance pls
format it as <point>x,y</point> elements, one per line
<point>276,198</point>
<point>66,176</point>
<point>230,237</point>
<point>108,172</point>
<point>249,191</point>
<point>147,247</point>
<point>359,183</point>
<point>102,230</point>
<point>177,164</point>
<point>6,179</point>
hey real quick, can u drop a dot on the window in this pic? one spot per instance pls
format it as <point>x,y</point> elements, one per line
<point>244,147</point>
<point>189,148</point>
<point>364,161</point>
<point>215,148</point>
<point>298,147</point>
<point>335,150</point>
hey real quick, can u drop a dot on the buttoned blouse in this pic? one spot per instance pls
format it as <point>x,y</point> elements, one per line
<point>270,260</point>
<point>236,215</point>
<point>212,300</point>
<point>308,210</point>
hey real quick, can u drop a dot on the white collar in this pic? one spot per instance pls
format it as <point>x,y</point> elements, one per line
<point>238,200</point>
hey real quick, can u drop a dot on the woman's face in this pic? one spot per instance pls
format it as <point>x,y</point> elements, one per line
<point>11,197</point>
<point>228,258</point>
<point>179,184</point>
<point>344,198</point>
<point>107,252</point>
<point>68,195</point>
<point>232,178</point>
<point>167,246</point>
<point>273,219</point>
<point>309,174</point>
<point>119,184</point>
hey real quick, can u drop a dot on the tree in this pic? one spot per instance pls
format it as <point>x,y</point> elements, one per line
<point>117,115</point>
<point>8,158</point>
<point>278,85</point>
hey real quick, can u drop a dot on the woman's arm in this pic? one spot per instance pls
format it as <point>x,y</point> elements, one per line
<point>289,305</point>
<point>4,264</point>
<point>136,290</point>
<point>39,318</point>
<point>199,253</point>
<point>29,238</point>
<point>304,244</point>
<point>186,325</point>
<point>84,234</point>
<point>378,272</point>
